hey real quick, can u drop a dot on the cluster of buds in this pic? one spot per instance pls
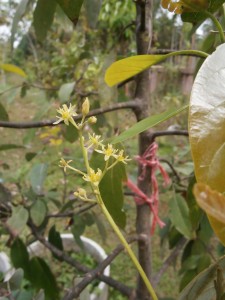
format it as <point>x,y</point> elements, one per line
<point>112,156</point>
<point>68,114</point>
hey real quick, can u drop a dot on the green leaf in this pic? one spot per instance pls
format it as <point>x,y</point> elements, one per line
<point>16,279</point>
<point>111,188</point>
<point>30,155</point>
<point>43,17</point>
<point>195,213</point>
<point>70,133</point>
<point>20,11</point>
<point>13,69</point>
<point>147,123</point>
<point>18,220</point>
<point>10,147</point>
<point>65,91</point>
<point>202,286</point>
<point>42,278</point>
<point>19,256</point>
<point>71,8</point>
<point>55,239</point>
<point>3,113</point>
<point>38,212</point>
<point>92,8</point>
<point>78,229</point>
<point>37,177</point>
<point>198,17</point>
<point>125,68</point>
<point>179,215</point>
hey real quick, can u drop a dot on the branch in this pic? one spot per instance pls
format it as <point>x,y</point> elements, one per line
<point>99,111</point>
<point>169,132</point>
<point>82,268</point>
<point>90,276</point>
<point>168,261</point>
<point>172,168</point>
<point>71,213</point>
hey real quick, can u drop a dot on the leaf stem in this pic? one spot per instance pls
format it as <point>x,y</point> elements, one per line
<point>217,24</point>
<point>188,52</point>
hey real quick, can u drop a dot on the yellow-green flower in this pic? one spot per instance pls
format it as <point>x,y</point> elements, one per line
<point>108,152</point>
<point>93,177</point>
<point>94,141</point>
<point>120,157</point>
<point>64,164</point>
<point>81,193</point>
<point>67,114</point>
<point>92,120</point>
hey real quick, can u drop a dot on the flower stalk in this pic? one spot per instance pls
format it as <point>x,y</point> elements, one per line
<point>111,157</point>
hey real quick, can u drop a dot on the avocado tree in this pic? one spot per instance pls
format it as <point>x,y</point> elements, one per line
<point>72,78</point>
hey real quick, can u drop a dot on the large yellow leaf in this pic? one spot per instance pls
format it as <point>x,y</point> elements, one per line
<point>207,137</point>
<point>207,121</point>
<point>13,69</point>
<point>125,68</point>
<point>213,203</point>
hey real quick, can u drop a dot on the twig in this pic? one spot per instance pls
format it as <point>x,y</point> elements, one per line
<point>169,132</point>
<point>70,214</point>
<point>77,265</point>
<point>90,276</point>
<point>168,261</point>
<point>99,111</point>
<point>11,88</point>
<point>172,168</point>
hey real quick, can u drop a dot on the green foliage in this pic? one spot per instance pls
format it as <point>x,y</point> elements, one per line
<point>37,177</point>
<point>146,124</point>
<point>111,188</point>
<point>43,17</point>
<point>71,8</point>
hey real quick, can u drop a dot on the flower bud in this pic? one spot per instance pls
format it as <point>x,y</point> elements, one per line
<point>85,107</point>
<point>92,120</point>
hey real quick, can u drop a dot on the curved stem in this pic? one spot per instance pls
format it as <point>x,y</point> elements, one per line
<point>217,24</point>
<point>127,247</point>
<point>188,52</point>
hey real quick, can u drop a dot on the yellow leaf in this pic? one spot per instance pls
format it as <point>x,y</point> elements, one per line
<point>207,122</point>
<point>126,68</point>
<point>213,203</point>
<point>13,69</point>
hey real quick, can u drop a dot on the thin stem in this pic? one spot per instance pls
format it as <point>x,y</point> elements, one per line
<point>188,52</point>
<point>84,151</point>
<point>217,24</point>
<point>128,248</point>
<point>113,224</point>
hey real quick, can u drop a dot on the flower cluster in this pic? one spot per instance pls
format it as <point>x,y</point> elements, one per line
<point>112,156</point>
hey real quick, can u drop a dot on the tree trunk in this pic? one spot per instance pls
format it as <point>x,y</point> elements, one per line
<point>142,95</point>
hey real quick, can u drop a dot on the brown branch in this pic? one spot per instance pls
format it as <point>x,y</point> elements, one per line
<point>99,111</point>
<point>11,88</point>
<point>77,265</point>
<point>70,214</point>
<point>90,276</point>
<point>168,261</point>
<point>172,168</point>
<point>169,132</point>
